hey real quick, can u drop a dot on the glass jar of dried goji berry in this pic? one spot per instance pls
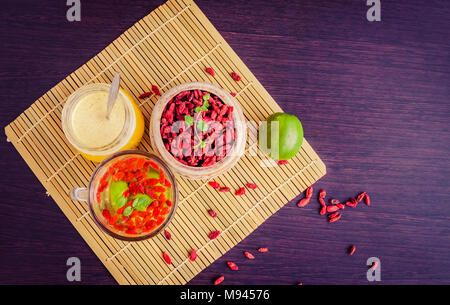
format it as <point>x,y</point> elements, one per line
<point>198,129</point>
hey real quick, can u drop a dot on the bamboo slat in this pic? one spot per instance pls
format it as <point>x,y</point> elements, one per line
<point>170,46</point>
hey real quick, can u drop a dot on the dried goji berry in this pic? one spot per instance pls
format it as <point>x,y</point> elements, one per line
<point>155,90</point>
<point>309,192</point>
<point>332,208</point>
<point>212,213</point>
<point>251,185</point>
<point>167,258</point>
<point>263,250</point>
<point>367,199</point>
<point>210,71</point>
<point>322,194</point>
<point>167,235</point>
<point>352,250</point>
<point>323,210</point>
<point>303,202</point>
<point>336,218</point>
<point>334,201</point>
<point>224,189</point>
<point>193,255</point>
<point>360,196</point>
<point>158,189</point>
<point>333,215</point>
<point>219,280</point>
<point>213,234</point>
<point>113,219</point>
<point>232,266</point>
<point>235,76</point>
<point>281,162</point>
<point>249,255</point>
<point>145,94</point>
<point>214,184</point>
<point>106,214</point>
<point>233,94</point>
<point>131,231</point>
<point>240,191</point>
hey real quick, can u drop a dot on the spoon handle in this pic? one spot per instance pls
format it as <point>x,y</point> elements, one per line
<point>112,96</point>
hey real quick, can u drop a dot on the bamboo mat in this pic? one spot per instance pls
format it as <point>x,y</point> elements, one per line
<point>170,46</point>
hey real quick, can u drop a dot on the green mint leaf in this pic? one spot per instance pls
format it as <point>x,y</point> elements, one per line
<point>142,204</point>
<point>198,109</point>
<point>189,120</point>
<point>127,212</point>
<point>206,99</point>
<point>201,125</point>
<point>121,201</point>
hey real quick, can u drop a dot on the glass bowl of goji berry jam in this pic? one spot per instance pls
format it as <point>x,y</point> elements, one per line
<point>198,129</point>
<point>132,195</point>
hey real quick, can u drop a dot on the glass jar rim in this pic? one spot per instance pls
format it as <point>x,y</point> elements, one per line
<point>123,137</point>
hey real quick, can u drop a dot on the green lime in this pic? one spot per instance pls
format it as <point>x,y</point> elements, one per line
<point>287,137</point>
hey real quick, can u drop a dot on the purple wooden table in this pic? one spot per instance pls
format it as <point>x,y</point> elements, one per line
<point>374,101</point>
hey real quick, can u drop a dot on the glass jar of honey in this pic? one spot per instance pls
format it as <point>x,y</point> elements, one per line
<point>86,127</point>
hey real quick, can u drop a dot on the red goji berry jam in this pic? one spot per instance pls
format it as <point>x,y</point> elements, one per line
<point>134,196</point>
<point>197,128</point>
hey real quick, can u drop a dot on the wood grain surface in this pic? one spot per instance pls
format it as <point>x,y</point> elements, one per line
<point>373,99</point>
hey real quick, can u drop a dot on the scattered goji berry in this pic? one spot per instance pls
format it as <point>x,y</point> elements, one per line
<point>232,266</point>
<point>167,235</point>
<point>303,202</point>
<point>323,210</point>
<point>210,71</point>
<point>309,192</point>
<point>145,94</point>
<point>155,90</point>
<point>224,189</point>
<point>240,191</point>
<point>213,234</point>
<point>214,184</point>
<point>212,213</point>
<point>333,215</point>
<point>281,162</point>
<point>249,255</point>
<point>332,208</point>
<point>235,76</point>
<point>334,201</point>
<point>367,199</point>
<point>193,255</point>
<point>322,194</point>
<point>219,280</point>
<point>233,94</point>
<point>361,197</point>
<point>336,218</point>
<point>263,250</point>
<point>167,258</point>
<point>252,186</point>
<point>352,250</point>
